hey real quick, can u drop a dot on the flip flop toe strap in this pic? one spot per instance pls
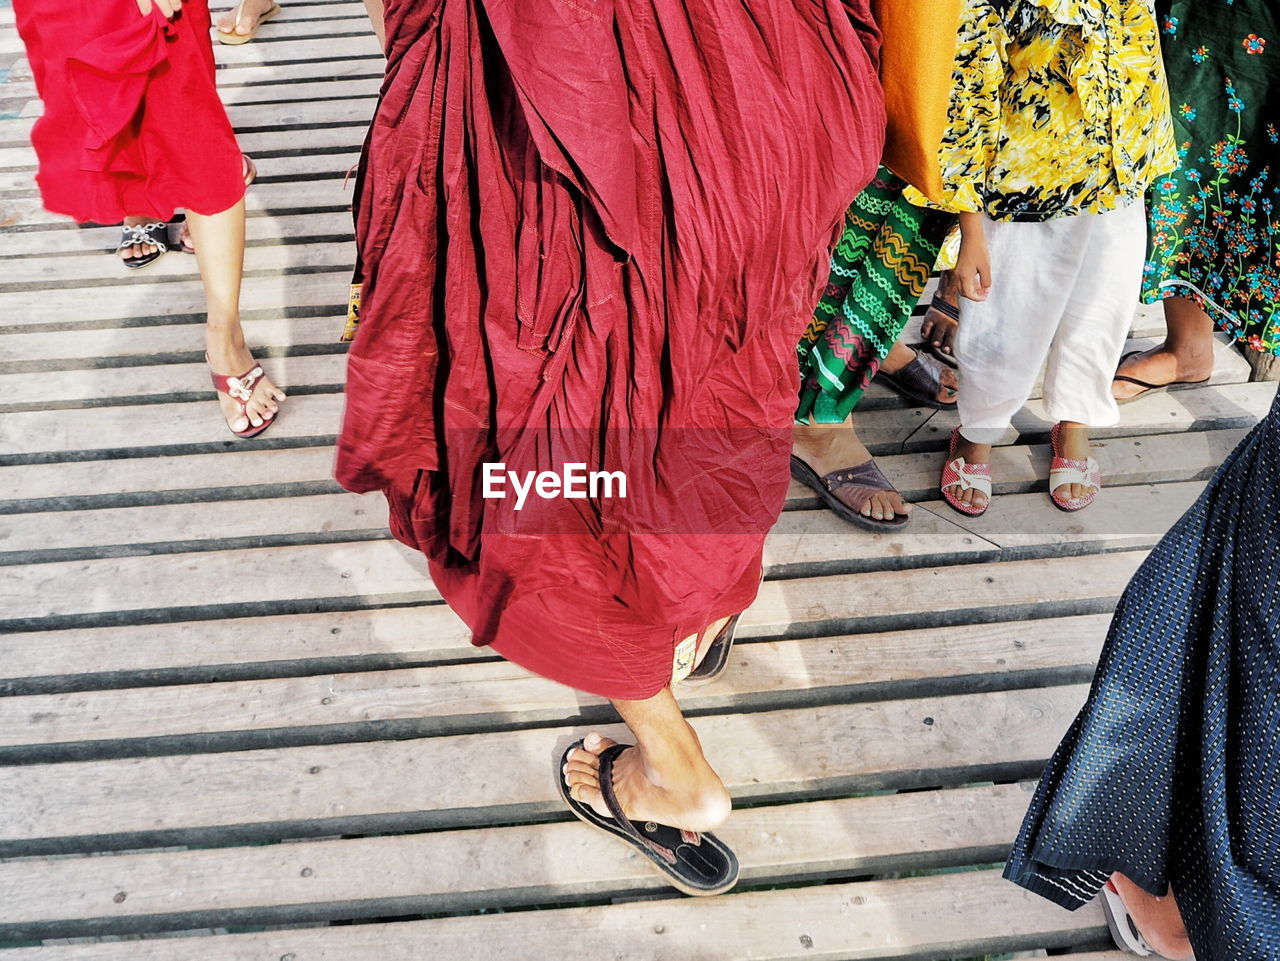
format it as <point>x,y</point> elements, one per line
<point>607,757</point>
<point>966,476</point>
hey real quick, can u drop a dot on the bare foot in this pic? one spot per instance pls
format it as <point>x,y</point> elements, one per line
<point>134,251</point>
<point>1162,365</point>
<point>243,18</point>
<point>232,360</point>
<point>1158,919</point>
<point>681,791</point>
<point>949,381</point>
<point>832,447</point>
<point>972,454</point>
<point>1073,444</point>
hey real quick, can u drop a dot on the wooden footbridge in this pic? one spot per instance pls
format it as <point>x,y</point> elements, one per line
<point>237,724</point>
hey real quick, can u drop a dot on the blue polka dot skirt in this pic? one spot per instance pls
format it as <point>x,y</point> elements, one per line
<point>1171,772</point>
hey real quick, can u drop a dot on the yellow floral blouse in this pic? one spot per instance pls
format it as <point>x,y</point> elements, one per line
<point>1058,107</point>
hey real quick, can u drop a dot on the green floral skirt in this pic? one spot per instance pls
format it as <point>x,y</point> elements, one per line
<point>1215,223</point>
<point>878,271</point>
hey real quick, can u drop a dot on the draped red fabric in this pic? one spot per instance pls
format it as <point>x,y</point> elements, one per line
<point>132,123</point>
<point>592,232</point>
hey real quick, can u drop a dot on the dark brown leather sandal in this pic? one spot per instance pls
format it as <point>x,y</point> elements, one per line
<point>697,864</point>
<point>845,491</point>
<point>920,382</point>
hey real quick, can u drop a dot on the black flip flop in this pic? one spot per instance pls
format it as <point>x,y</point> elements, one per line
<point>697,864</point>
<point>717,657</point>
<point>1149,389</point>
<point>919,382</point>
<point>866,475</point>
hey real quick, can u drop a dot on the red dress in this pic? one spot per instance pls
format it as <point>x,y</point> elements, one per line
<point>592,233</point>
<point>132,123</point>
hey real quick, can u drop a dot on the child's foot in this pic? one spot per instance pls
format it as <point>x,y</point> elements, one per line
<point>1074,476</point>
<point>966,477</point>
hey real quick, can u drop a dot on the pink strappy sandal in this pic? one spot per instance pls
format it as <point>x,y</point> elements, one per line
<point>240,389</point>
<point>1064,470</point>
<point>959,474</point>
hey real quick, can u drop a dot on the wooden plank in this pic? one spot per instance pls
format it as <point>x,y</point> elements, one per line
<point>134,304</point>
<point>803,542</point>
<point>231,647</point>
<point>468,870</point>
<point>472,697</point>
<point>54,350</point>
<point>276,34</point>
<point>173,428</point>
<point>263,230</point>
<point>271,170</point>
<point>126,590</point>
<point>949,915</point>
<point>89,272</point>
<point>1120,519</point>
<point>507,777</point>
<point>30,436</point>
<point>359,44</point>
<point>232,474</point>
<point>366,84</point>
<point>302,196</point>
<point>273,646</point>
<point>161,382</point>
<point>204,525</point>
<point>347,576</point>
<point>1198,409</point>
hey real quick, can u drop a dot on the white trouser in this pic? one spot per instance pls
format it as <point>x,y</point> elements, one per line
<point>1065,291</point>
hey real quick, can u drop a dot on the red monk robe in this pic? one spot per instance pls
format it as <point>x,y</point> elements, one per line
<point>592,232</point>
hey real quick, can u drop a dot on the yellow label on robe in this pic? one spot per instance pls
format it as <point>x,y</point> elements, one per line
<point>353,314</point>
<point>682,663</point>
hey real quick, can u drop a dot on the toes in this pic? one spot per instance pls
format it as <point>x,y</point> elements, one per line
<point>240,424</point>
<point>595,743</point>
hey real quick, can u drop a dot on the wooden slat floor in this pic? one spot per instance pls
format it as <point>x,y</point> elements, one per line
<point>237,723</point>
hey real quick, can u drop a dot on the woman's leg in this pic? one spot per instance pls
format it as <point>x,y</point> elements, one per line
<point>1157,919</point>
<point>219,241</point>
<point>1186,354</point>
<point>666,779</point>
